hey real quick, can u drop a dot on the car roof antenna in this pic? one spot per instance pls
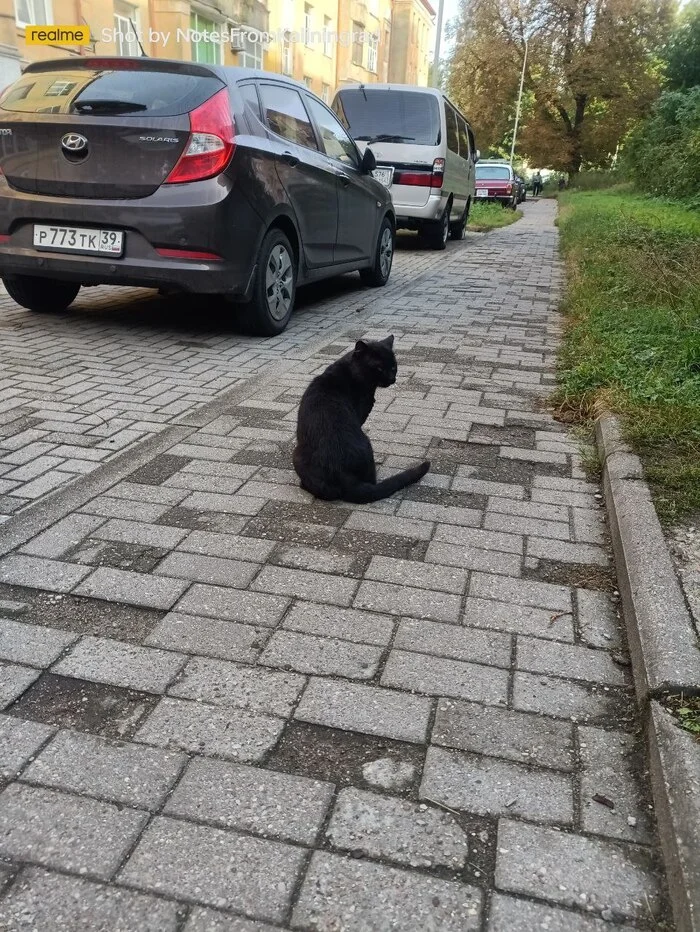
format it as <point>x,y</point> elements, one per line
<point>143,51</point>
<point>362,88</point>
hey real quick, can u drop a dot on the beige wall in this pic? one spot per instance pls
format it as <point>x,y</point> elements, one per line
<point>404,31</point>
<point>413,42</point>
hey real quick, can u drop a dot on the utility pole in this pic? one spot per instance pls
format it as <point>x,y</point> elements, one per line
<point>517,111</point>
<point>438,39</point>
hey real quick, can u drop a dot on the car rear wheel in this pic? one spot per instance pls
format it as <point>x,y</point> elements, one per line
<point>378,274</point>
<point>43,295</point>
<point>271,306</point>
<point>436,232</point>
<point>458,229</point>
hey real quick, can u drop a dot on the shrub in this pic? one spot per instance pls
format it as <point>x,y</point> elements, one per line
<point>662,153</point>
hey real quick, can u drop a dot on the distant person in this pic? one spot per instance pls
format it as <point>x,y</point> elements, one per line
<point>536,184</point>
<point>562,184</point>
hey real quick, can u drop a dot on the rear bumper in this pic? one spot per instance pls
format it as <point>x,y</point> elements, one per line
<point>408,217</point>
<point>500,198</point>
<point>210,216</point>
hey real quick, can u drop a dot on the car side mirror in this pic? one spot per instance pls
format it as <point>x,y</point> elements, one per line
<point>477,156</point>
<point>369,162</point>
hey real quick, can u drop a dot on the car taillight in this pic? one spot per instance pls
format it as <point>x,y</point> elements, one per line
<point>509,188</point>
<point>211,144</point>
<point>425,179</point>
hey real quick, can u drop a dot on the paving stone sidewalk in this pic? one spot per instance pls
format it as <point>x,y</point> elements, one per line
<point>229,707</point>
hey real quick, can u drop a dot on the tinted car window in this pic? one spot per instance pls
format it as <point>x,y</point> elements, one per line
<point>451,122</point>
<point>492,172</point>
<point>389,116</point>
<point>250,98</point>
<point>336,142</point>
<point>286,116</point>
<point>463,138</point>
<point>92,92</point>
<point>472,141</point>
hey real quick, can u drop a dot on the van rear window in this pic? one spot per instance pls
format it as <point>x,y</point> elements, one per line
<point>389,116</point>
<point>103,91</point>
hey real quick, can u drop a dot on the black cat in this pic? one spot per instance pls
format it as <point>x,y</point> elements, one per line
<point>333,457</point>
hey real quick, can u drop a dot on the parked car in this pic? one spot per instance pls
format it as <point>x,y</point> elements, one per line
<point>425,153</point>
<point>521,189</point>
<point>495,181</point>
<point>184,177</point>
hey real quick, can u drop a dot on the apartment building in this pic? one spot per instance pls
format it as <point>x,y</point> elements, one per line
<point>412,42</point>
<point>324,43</point>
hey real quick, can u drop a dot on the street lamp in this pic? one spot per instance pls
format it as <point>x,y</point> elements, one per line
<point>517,110</point>
<point>438,37</point>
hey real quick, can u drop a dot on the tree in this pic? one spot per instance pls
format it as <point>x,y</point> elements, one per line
<point>593,69</point>
<point>683,50</point>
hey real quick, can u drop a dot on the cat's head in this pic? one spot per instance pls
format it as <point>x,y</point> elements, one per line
<point>376,357</point>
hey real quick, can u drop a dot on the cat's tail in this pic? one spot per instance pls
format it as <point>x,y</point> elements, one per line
<point>365,492</point>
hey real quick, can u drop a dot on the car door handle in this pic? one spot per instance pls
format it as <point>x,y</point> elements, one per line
<point>342,176</point>
<point>290,158</point>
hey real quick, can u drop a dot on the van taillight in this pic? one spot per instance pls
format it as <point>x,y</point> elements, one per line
<point>211,144</point>
<point>424,179</point>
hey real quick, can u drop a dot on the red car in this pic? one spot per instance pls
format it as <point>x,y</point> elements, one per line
<point>495,181</point>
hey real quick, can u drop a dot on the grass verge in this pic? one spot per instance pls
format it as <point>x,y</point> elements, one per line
<point>633,331</point>
<point>490,216</point>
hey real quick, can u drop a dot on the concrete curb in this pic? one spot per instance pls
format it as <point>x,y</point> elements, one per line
<point>662,640</point>
<point>665,659</point>
<point>674,759</point>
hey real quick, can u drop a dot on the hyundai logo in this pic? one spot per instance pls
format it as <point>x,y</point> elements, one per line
<point>74,142</point>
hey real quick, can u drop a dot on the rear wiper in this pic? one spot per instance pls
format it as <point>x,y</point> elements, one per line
<point>384,138</point>
<point>107,106</point>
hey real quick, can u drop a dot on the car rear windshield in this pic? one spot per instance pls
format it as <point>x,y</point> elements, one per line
<point>492,173</point>
<point>390,116</point>
<point>106,91</point>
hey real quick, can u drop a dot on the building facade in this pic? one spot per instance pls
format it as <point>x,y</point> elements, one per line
<point>324,43</point>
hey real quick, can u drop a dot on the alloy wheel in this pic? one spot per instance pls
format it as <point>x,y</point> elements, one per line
<point>386,252</point>
<point>279,282</point>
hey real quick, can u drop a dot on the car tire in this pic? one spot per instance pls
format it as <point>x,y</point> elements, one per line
<point>42,295</point>
<point>436,232</point>
<point>270,308</point>
<point>377,275</point>
<point>457,230</point>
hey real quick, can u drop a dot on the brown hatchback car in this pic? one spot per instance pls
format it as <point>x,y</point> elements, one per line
<point>182,177</point>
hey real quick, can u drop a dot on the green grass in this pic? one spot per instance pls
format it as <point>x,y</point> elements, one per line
<point>686,711</point>
<point>633,334</point>
<point>489,216</point>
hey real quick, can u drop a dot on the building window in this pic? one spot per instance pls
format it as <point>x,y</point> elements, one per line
<point>125,38</point>
<point>307,24</point>
<point>203,50</point>
<point>308,81</point>
<point>326,93</point>
<point>287,57</point>
<point>32,12</point>
<point>357,45</point>
<point>327,35</point>
<point>372,47</point>
<point>250,54</point>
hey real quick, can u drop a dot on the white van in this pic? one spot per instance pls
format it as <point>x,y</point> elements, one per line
<point>425,153</point>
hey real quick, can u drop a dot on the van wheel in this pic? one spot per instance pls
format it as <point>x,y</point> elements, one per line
<point>43,295</point>
<point>377,275</point>
<point>271,306</point>
<point>457,230</point>
<point>435,233</point>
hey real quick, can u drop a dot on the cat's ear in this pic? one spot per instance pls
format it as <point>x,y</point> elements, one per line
<point>361,348</point>
<point>389,341</point>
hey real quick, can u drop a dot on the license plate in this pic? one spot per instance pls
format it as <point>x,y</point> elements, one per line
<point>385,175</point>
<point>79,239</point>
<point>482,192</point>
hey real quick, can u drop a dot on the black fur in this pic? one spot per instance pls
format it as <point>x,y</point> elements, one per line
<point>333,457</point>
